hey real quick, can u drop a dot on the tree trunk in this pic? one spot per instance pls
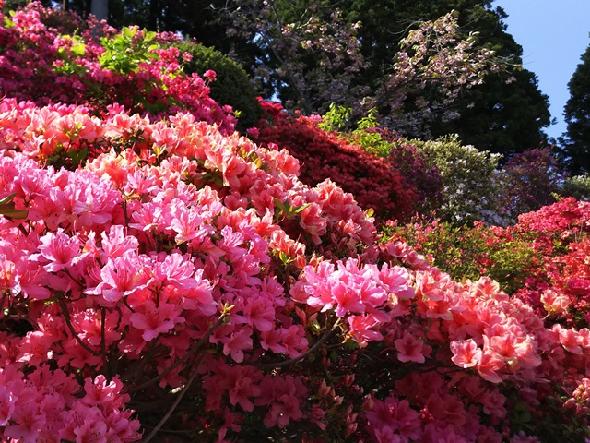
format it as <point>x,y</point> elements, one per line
<point>154,15</point>
<point>100,9</point>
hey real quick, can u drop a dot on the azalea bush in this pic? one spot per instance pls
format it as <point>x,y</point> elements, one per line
<point>99,67</point>
<point>468,178</point>
<point>543,258</point>
<point>531,180</point>
<point>185,271</point>
<point>562,287</point>
<point>459,183</point>
<point>376,184</point>
<point>468,252</point>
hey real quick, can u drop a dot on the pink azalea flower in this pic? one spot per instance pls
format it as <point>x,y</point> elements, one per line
<point>347,300</point>
<point>60,250</point>
<point>409,348</point>
<point>360,327</point>
<point>120,277</point>
<point>236,343</point>
<point>210,75</point>
<point>258,313</point>
<point>465,353</point>
<point>155,320</point>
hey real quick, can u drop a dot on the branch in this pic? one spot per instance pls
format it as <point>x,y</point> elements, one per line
<point>103,344</point>
<point>187,356</point>
<point>68,320</point>
<point>172,408</point>
<point>311,350</point>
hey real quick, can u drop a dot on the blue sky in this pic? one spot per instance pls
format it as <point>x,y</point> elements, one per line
<point>553,34</point>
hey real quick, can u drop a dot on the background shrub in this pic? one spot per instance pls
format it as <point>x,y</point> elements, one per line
<point>375,182</point>
<point>232,86</point>
<point>459,183</point>
<point>530,181</point>
<point>469,252</point>
<point>577,186</point>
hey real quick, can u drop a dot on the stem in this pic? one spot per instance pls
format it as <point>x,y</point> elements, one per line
<point>125,215</point>
<point>184,359</point>
<point>22,229</point>
<point>172,408</point>
<point>67,272</point>
<point>103,345</point>
<point>68,320</point>
<point>311,350</point>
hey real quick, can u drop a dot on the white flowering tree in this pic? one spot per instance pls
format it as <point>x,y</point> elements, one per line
<point>311,57</point>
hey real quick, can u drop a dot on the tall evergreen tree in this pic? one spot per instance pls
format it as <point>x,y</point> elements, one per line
<point>576,141</point>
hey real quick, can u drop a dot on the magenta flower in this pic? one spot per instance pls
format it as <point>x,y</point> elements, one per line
<point>121,277</point>
<point>60,250</point>
<point>465,353</point>
<point>155,320</point>
<point>409,348</point>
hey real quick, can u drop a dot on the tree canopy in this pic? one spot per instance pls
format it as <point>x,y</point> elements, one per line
<point>507,113</point>
<point>576,141</point>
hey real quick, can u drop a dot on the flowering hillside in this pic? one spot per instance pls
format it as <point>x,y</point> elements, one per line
<point>163,278</point>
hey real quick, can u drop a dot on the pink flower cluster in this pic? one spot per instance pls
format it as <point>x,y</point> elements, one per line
<point>486,330</point>
<point>41,64</point>
<point>555,285</point>
<point>143,249</point>
<point>561,289</point>
<point>565,218</point>
<point>179,249</point>
<point>48,405</point>
<point>426,320</point>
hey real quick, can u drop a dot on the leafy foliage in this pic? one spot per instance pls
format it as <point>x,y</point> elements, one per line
<point>577,186</point>
<point>232,85</point>
<point>506,114</point>
<point>577,116</point>
<point>467,253</point>
<point>100,67</point>
<point>124,52</point>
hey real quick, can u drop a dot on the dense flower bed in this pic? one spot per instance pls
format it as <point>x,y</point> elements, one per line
<point>99,66</point>
<point>515,255</point>
<point>183,264</point>
<point>542,259</point>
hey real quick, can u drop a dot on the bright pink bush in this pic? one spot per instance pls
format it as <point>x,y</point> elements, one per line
<point>182,258</point>
<point>559,233</point>
<point>565,219</point>
<point>40,64</point>
<point>374,182</point>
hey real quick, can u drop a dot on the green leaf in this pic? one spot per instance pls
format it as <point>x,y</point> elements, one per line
<point>14,214</point>
<point>8,23</point>
<point>129,32</point>
<point>8,199</point>
<point>300,209</point>
<point>285,259</point>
